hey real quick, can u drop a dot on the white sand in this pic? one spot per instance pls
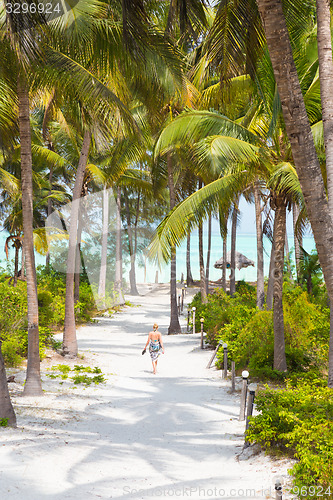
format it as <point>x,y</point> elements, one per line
<point>138,436</point>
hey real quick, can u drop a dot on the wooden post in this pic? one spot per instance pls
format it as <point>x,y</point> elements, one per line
<point>233,376</point>
<point>178,305</point>
<point>250,403</point>
<point>245,375</point>
<point>156,277</point>
<point>202,332</point>
<point>185,287</point>
<point>278,490</point>
<point>182,304</point>
<point>214,354</point>
<point>225,360</point>
<point>188,320</point>
<point>193,318</point>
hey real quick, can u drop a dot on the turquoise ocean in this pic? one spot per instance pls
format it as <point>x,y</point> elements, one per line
<point>146,270</point>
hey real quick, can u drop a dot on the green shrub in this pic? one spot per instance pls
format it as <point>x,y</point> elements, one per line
<point>298,421</point>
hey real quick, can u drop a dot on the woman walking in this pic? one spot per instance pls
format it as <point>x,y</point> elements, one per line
<point>155,346</point>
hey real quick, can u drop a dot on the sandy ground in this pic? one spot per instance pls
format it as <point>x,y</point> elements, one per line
<point>137,436</point>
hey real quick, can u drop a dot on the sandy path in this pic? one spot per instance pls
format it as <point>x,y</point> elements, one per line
<point>138,436</point>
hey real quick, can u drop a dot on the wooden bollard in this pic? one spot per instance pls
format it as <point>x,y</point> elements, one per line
<point>245,375</point>
<point>182,303</point>
<point>202,332</point>
<point>188,320</point>
<point>178,305</point>
<point>214,354</point>
<point>250,403</point>
<point>233,376</point>
<point>278,490</point>
<point>193,318</point>
<point>225,360</point>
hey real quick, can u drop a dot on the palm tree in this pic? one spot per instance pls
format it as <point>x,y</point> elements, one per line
<point>260,247</point>
<point>6,408</point>
<point>69,338</point>
<point>301,140</point>
<point>309,267</point>
<point>280,362</point>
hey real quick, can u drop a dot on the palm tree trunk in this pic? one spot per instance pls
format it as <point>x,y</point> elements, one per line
<point>202,266</point>
<point>209,247</point>
<point>280,362</point>
<point>174,326</point>
<point>189,278</point>
<point>223,232</point>
<point>49,207</point>
<point>32,386</point>
<point>6,407</point>
<point>326,78</point>
<point>78,259</point>
<point>118,285</point>
<point>224,265</point>
<point>22,262</point>
<point>260,249</point>
<point>233,252</point>
<point>104,249</point>
<point>300,136</point>
<point>290,274</point>
<point>270,285</point>
<point>69,338</point>
<point>132,276</point>
<point>16,261</point>
<point>297,243</point>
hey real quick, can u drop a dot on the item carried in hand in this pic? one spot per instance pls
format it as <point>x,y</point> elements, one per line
<point>144,351</point>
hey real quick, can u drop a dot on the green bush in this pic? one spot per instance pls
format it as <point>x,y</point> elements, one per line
<point>249,334</point>
<point>298,421</point>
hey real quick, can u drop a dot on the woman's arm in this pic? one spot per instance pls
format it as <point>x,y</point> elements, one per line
<point>149,335</point>
<point>161,342</point>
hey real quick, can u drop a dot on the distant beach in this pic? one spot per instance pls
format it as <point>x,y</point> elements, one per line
<point>246,244</point>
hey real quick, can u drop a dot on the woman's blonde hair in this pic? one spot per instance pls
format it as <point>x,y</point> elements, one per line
<point>155,326</point>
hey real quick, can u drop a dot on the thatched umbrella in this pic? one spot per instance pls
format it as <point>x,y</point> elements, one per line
<point>241,261</point>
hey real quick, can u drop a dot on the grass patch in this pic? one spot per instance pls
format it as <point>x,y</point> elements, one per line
<point>79,374</point>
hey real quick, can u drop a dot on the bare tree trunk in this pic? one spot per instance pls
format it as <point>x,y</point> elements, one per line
<point>6,407</point>
<point>300,137</point>
<point>104,249</point>
<point>132,277</point>
<point>32,386</point>
<point>270,285</point>
<point>202,266</point>
<point>69,338</point>
<point>297,243</point>
<point>260,249</point>
<point>280,362</point>
<point>174,326</point>
<point>189,278</point>
<point>233,252</point>
<point>118,285</point>
<point>209,247</point>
